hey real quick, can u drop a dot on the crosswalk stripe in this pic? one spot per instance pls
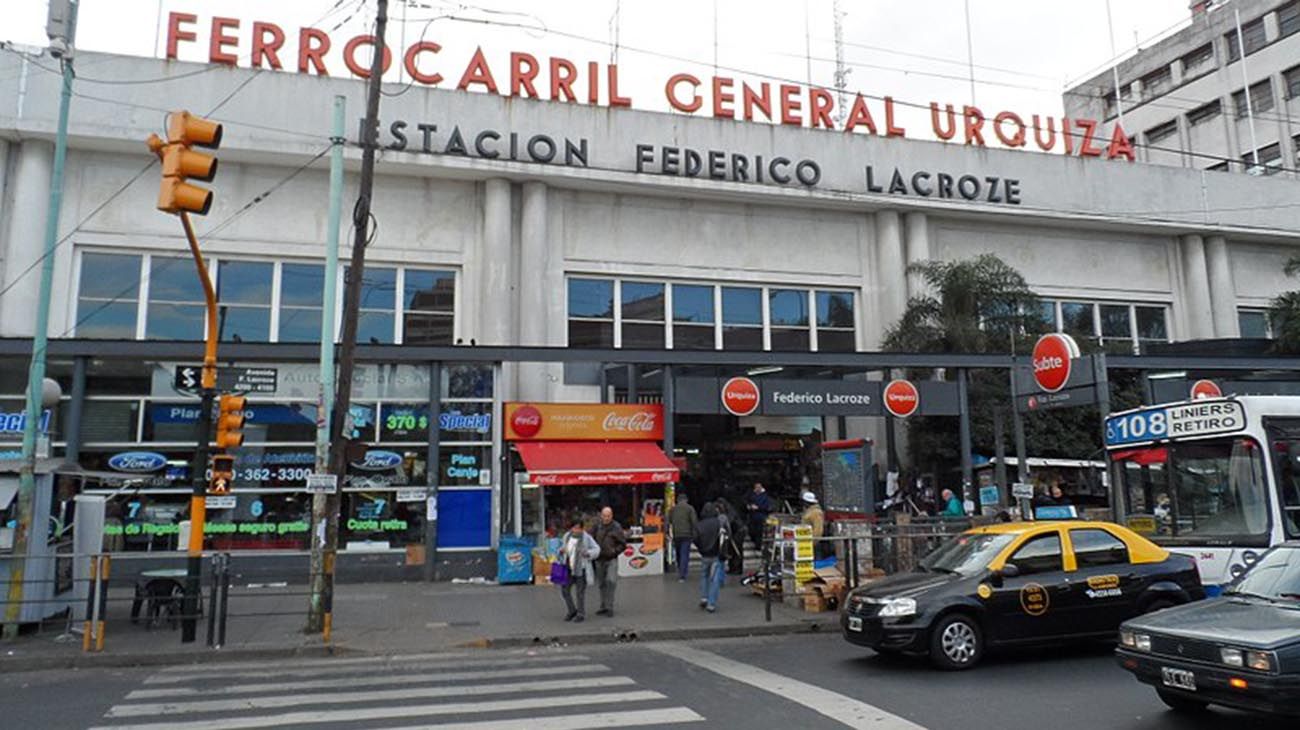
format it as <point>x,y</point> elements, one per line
<point>308,717</point>
<point>330,667</point>
<point>256,703</point>
<point>422,678</point>
<point>633,718</point>
<point>320,662</point>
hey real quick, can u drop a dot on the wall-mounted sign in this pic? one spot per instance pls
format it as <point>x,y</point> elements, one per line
<point>455,420</point>
<point>584,422</point>
<point>378,461</point>
<point>901,398</point>
<point>1053,359</point>
<point>137,462</point>
<point>740,396</point>
<point>237,379</point>
<point>16,421</point>
<point>807,397</point>
<point>1206,389</point>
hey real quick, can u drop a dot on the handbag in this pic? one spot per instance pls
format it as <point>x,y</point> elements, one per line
<point>560,573</point>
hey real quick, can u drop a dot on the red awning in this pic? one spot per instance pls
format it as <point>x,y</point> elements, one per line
<point>564,463</point>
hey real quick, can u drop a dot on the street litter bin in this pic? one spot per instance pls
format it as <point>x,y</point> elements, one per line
<point>515,560</point>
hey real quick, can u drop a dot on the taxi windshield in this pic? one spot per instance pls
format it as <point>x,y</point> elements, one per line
<point>965,554</point>
<point>1276,577</point>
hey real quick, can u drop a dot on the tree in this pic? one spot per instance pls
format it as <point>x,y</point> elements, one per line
<point>1284,311</point>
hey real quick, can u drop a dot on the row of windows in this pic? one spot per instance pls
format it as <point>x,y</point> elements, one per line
<point>1118,327</point>
<point>150,296</point>
<point>684,316</point>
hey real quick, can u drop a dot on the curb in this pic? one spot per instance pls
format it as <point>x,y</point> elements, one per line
<point>37,662</point>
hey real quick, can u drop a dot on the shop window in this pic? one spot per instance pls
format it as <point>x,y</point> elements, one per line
<point>108,296</point>
<point>742,318</point>
<point>302,289</point>
<point>1198,61</point>
<point>1291,81</point>
<point>788,314</point>
<point>176,309</point>
<point>1288,19</point>
<point>465,422</point>
<point>429,307</point>
<point>1151,327</point>
<point>244,301</point>
<point>836,323</point>
<point>1252,36</point>
<point>591,313</point>
<point>378,305</point>
<point>693,320</point>
<point>404,423</point>
<point>1254,324</point>
<point>1158,134</point>
<point>1204,113</point>
<point>642,314</point>
<point>469,380</point>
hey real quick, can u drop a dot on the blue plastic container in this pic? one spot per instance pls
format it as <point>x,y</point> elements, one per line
<point>515,560</point>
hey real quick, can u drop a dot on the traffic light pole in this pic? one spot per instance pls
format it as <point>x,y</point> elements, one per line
<point>351,306</point>
<point>198,468</point>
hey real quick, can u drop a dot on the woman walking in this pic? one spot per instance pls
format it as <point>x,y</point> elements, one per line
<point>577,550</point>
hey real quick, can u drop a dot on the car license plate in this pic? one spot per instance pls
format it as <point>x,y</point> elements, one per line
<point>855,623</point>
<point>1178,678</point>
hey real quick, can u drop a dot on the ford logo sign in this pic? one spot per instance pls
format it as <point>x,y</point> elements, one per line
<point>137,461</point>
<point>378,461</point>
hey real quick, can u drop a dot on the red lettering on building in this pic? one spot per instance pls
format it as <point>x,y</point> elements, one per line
<point>942,131</point>
<point>523,71</point>
<point>760,101</point>
<point>860,114</point>
<point>790,105</point>
<point>892,129</point>
<point>174,33</point>
<point>1017,138</point>
<point>413,68</point>
<point>563,74</point>
<point>313,44</point>
<point>350,56</point>
<point>820,104</point>
<point>264,50</point>
<point>973,121</point>
<point>723,99</point>
<point>671,90</point>
<point>477,72</point>
<point>615,99</point>
<point>218,40</point>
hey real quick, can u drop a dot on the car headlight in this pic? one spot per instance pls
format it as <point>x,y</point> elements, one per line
<point>1232,657</point>
<point>1142,642</point>
<point>898,607</point>
<point>1127,639</point>
<point>1261,661</point>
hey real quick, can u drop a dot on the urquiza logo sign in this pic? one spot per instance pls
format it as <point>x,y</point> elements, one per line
<point>740,396</point>
<point>137,462</point>
<point>1052,360</point>
<point>1206,389</point>
<point>378,461</point>
<point>901,398</point>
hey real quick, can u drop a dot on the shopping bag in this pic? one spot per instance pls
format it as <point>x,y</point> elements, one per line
<point>559,574</point>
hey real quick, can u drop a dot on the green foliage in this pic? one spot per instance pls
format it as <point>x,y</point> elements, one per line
<point>1284,311</point>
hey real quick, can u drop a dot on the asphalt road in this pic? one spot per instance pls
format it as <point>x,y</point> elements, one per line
<point>788,683</point>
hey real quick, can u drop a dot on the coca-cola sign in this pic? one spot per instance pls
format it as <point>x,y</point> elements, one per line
<point>584,422</point>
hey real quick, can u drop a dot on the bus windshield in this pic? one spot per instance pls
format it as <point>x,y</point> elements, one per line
<point>1207,492</point>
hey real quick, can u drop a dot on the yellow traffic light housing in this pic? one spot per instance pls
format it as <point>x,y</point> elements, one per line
<point>230,419</point>
<point>223,474</point>
<point>180,162</point>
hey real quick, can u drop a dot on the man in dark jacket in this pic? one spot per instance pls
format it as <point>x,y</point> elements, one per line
<point>611,539</point>
<point>759,506</point>
<point>710,534</point>
<point>681,522</point>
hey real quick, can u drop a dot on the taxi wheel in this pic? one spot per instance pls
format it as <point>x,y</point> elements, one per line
<point>1178,703</point>
<point>956,642</point>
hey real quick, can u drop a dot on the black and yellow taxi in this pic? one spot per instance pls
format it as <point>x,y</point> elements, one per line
<point>1018,583</point>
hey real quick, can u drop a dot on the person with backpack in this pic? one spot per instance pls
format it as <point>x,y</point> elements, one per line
<point>710,535</point>
<point>577,550</point>
<point>733,553</point>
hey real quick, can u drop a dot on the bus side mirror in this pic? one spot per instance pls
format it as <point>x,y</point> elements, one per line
<point>1293,453</point>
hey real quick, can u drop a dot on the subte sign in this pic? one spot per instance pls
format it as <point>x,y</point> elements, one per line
<point>1206,389</point>
<point>901,398</point>
<point>1052,360</point>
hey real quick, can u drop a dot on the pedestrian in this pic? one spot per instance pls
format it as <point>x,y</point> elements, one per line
<point>612,540</point>
<point>814,517</point>
<point>734,549</point>
<point>681,523</point>
<point>577,550</point>
<point>710,535</point>
<point>952,506</point>
<point>759,506</point>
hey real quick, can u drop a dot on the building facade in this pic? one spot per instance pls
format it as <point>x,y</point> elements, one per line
<point>1192,99</point>
<point>507,221</point>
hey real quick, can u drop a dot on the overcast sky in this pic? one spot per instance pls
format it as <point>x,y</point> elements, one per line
<point>1025,51</point>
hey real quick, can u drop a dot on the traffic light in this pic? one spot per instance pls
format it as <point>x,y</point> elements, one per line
<point>223,474</point>
<point>180,162</point>
<point>230,419</point>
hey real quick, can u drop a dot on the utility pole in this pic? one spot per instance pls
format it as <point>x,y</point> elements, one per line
<point>61,28</point>
<point>319,500</point>
<point>351,305</point>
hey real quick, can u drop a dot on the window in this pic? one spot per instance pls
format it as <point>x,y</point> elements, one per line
<point>643,314</point>
<point>1076,320</point>
<point>1261,99</point>
<point>591,313</point>
<point>742,318</point>
<point>1208,491</point>
<point>1218,167</point>
<point>1198,61</point>
<point>378,304</point>
<point>1041,319</point>
<point>1269,162</point>
<point>1288,19</point>
<point>108,296</point>
<point>788,311</point>
<point>1151,326</point>
<point>1254,324</point>
<point>302,289</point>
<point>429,307</point>
<point>1095,548</point>
<point>1252,35</point>
<point>836,324</point>
<point>1160,133</point>
<point>1041,554</point>
<point>244,301</point>
<point>1204,113</point>
<point>176,309</point>
<point>693,322</point>
<point>1157,82</point>
<point>1284,434</point>
<point>1291,82</point>
<point>1116,328</point>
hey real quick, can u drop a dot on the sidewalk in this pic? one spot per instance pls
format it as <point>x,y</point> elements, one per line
<point>408,618</point>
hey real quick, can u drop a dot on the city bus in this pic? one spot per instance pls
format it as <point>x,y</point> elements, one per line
<point>1217,479</point>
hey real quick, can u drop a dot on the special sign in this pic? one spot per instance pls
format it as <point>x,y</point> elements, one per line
<point>524,75</point>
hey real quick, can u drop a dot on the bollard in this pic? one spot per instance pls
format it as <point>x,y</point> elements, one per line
<point>212,601</point>
<point>92,598</point>
<point>225,594</point>
<point>767,578</point>
<point>106,563</point>
<point>327,626</point>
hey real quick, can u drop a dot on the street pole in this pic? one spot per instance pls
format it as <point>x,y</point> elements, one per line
<point>351,306</point>
<point>319,501</point>
<point>964,435</point>
<point>198,467</point>
<point>62,29</point>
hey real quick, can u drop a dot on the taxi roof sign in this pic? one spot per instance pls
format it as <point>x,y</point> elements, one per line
<point>1056,512</point>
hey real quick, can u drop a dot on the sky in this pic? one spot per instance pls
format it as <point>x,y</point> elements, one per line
<point>1025,52</point>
